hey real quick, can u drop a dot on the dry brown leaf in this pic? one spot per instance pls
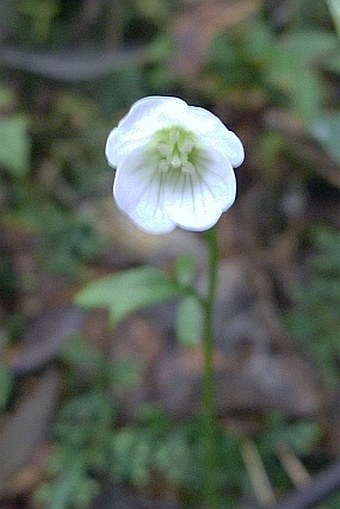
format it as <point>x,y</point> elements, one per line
<point>195,28</point>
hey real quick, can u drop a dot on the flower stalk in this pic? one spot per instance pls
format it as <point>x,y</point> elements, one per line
<point>209,383</point>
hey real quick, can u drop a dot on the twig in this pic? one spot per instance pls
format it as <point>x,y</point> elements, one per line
<point>257,474</point>
<point>320,488</point>
<point>293,466</point>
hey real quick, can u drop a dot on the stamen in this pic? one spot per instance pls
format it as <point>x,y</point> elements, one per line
<point>188,167</point>
<point>164,149</point>
<point>173,148</point>
<point>174,136</point>
<point>163,166</point>
<point>187,147</point>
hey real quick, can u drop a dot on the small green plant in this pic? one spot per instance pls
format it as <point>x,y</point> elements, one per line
<point>269,457</point>
<point>82,242</point>
<point>315,319</point>
<point>158,448</point>
<point>89,443</point>
<point>84,428</point>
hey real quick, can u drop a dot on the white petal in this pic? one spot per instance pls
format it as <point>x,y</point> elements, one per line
<point>145,117</point>
<point>196,201</point>
<point>138,191</point>
<point>206,125</point>
<point>153,107</point>
<point>111,151</point>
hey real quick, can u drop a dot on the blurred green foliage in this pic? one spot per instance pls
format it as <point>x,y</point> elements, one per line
<point>314,321</point>
<point>326,129</point>
<point>52,153</point>
<point>6,384</point>
<point>84,428</point>
<point>158,448</point>
<point>81,242</point>
<point>298,435</point>
<point>45,201</point>
<point>91,444</point>
<point>40,15</point>
<point>14,152</point>
<point>286,67</point>
<point>15,141</point>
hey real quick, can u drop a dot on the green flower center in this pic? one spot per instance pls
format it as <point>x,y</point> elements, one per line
<point>176,150</point>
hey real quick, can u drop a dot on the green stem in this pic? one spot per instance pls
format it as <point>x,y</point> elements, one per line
<point>209,383</point>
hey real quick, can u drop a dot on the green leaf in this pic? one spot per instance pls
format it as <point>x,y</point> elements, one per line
<point>299,436</point>
<point>190,320</point>
<point>333,64</point>
<point>14,145</point>
<point>128,291</point>
<point>259,40</point>
<point>185,270</point>
<point>6,382</point>
<point>306,94</point>
<point>310,45</point>
<point>5,96</point>
<point>326,129</point>
<point>302,88</point>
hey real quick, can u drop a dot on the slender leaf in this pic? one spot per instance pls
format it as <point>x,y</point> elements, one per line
<point>189,324</point>
<point>185,270</point>
<point>14,146</point>
<point>6,381</point>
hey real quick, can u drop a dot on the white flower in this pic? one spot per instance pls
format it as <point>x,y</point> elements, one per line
<point>174,165</point>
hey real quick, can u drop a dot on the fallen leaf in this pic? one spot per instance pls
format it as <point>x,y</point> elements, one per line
<point>26,427</point>
<point>195,28</point>
<point>43,340</point>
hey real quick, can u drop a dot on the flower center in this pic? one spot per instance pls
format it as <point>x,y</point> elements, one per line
<point>176,150</point>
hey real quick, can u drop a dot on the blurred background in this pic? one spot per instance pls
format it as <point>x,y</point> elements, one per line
<point>97,418</point>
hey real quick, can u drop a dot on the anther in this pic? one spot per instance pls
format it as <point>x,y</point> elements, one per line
<point>174,136</point>
<point>164,149</point>
<point>187,147</point>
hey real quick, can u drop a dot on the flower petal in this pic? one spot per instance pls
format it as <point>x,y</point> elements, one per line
<point>215,133</point>
<point>145,117</point>
<point>160,107</point>
<point>138,189</point>
<point>196,201</point>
